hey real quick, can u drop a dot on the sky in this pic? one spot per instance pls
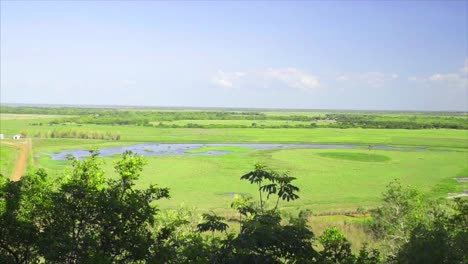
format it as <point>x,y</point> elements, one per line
<point>368,55</point>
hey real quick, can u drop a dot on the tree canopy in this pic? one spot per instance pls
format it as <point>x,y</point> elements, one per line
<point>84,217</point>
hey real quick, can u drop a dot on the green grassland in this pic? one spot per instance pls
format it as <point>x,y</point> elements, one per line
<point>8,156</point>
<point>430,138</point>
<point>327,183</point>
<point>330,180</point>
<point>365,157</point>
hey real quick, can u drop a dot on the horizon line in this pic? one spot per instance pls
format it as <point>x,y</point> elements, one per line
<point>130,106</point>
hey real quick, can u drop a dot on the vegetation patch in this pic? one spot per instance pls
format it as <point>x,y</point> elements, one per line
<point>365,157</point>
<point>448,185</point>
<point>224,118</point>
<point>8,156</point>
<point>72,133</point>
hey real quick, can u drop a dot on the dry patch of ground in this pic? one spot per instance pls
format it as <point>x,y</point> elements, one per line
<point>22,160</point>
<point>461,179</point>
<point>458,195</point>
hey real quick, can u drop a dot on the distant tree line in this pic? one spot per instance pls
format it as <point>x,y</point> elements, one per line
<point>37,110</point>
<point>252,125</point>
<point>395,122</point>
<point>81,134</point>
<point>85,218</point>
<point>331,120</point>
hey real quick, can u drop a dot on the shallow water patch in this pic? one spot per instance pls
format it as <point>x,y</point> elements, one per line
<point>175,149</point>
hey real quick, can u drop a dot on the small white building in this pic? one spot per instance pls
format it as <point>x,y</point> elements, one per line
<point>2,136</point>
<point>16,137</point>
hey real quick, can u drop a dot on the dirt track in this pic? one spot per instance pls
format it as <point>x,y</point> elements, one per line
<point>22,159</point>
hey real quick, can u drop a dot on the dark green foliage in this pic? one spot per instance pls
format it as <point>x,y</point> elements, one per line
<point>402,210</point>
<point>86,218</point>
<point>263,239</point>
<point>244,205</point>
<point>272,183</point>
<point>384,121</point>
<point>443,240</point>
<point>419,231</point>
<point>22,206</point>
<point>178,240</point>
<point>286,191</point>
<point>368,256</point>
<point>336,248</point>
<point>258,175</point>
<point>212,222</point>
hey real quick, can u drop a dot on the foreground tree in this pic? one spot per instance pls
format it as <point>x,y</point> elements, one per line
<point>180,239</point>
<point>417,230</point>
<point>22,216</point>
<point>336,248</point>
<point>403,208</point>
<point>73,219</point>
<point>263,238</point>
<point>86,218</point>
<point>272,183</point>
<point>125,208</point>
<point>443,240</point>
<point>97,221</point>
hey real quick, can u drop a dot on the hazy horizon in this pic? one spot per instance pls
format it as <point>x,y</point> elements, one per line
<point>191,107</point>
<point>383,56</point>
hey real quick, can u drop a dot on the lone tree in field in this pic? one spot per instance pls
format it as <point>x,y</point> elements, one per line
<point>272,183</point>
<point>263,238</point>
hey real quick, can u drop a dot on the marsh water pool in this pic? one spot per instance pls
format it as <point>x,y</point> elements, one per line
<point>175,149</point>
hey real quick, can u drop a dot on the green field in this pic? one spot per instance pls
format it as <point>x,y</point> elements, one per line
<point>7,159</point>
<point>364,157</point>
<point>331,180</point>
<point>430,138</point>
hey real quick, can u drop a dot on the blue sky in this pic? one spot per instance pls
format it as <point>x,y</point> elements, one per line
<point>391,55</point>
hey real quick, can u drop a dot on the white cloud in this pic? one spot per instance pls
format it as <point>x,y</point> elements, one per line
<point>449,77</point>
<point>416,79</point>
<point>373,79</point>
<point>465,67</point>
<point>293,78</point>
<point>227,79</point>
<point>447,80</point>
<point>272,77</point>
